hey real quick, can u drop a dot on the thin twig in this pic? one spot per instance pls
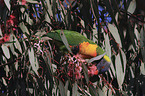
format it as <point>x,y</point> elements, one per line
<point>132,15</point>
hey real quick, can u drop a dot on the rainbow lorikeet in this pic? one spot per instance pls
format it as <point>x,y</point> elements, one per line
<point>86,48</point>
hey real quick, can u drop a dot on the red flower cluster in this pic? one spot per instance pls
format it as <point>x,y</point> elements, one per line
<point>5,39</point>
<point>12,21</point>
<point>92,70</point>
<point>75,68</point>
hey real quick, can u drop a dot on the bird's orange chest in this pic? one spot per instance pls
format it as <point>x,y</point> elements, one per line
<point>88,50</point>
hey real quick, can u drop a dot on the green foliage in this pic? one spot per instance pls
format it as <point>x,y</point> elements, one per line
<point>31,64</point>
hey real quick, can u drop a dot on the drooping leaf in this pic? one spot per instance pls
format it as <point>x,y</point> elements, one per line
<point>28,19</point>
<point>85,70</point>
<point>5,51</point>
<point>32,1</point>
<point>24,28</point>
<point>96,58</point>
<point>33,60</point>
<point>124,60</point>
<point>142,68</point>
<point>62,88</point>
<point>108,51</point>
<point>119,70</point>
<point>114,32</point>
<point>132,7</point>
<point>93,90</point>
<point>75,90</point>
<point>64,40</point>
<point>17,44</point>
<point>7,2</point>
<point>131,72</point>
<point>100,92</point>
<point>66,87</point>
<point>142,43</point>
<point>0,31</point>
<point>107,91</point>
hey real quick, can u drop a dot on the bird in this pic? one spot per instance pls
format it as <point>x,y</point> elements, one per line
<point>81,46</point>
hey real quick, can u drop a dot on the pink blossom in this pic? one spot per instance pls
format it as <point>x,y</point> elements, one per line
<point>78,75</point>
<point>23,2</point>
<point>70,69</point>
<point>6,38</point>
<point>70,73</point>
<point>78,72</point>
<point>11,20</point>
<point>93,70</point>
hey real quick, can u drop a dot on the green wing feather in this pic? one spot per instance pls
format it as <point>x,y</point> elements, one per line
<point>73,38</point>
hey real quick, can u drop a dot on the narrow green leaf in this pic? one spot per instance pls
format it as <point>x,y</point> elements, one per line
<point>96,58</point>
<point>85,70</point>
<point>49,7</point>
<point>24,28</point>
<point>22,9</point>
<point>136,32</point>
<point>142,43</point>
<point>0,31</point>
<point>93,90</point>
<point>65,41</point>
<point>117,16</point>
<point>7,2</point>
<point>119,71</point>
<point>61,88</point>
<point>107,91</point>
<point>95,32</point>
<point>32,1</point>
<point>40,33</point>
<point>54,8</point>
<point>107,45</point>
<point>124,60</point>
<point>100,92</point>
<point>75,90</point>
<point>132,7</point>
<point>31,90</point>
<point>4,81</point>
<point>142,68</point>
<point>115,33</point>
<point>11,46</point>
<point>66,86</point>
<point>131,71</point>
<point>17,44</point>
<point>41,86</point>
<point>28,19</point>
<point>82,23</point>
<point>46,7</point>
<point>108,51</point>
<point>5,51</point>
<point>33,60</point>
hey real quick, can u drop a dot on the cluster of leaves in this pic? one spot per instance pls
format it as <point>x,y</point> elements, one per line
<point>30,62</point>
